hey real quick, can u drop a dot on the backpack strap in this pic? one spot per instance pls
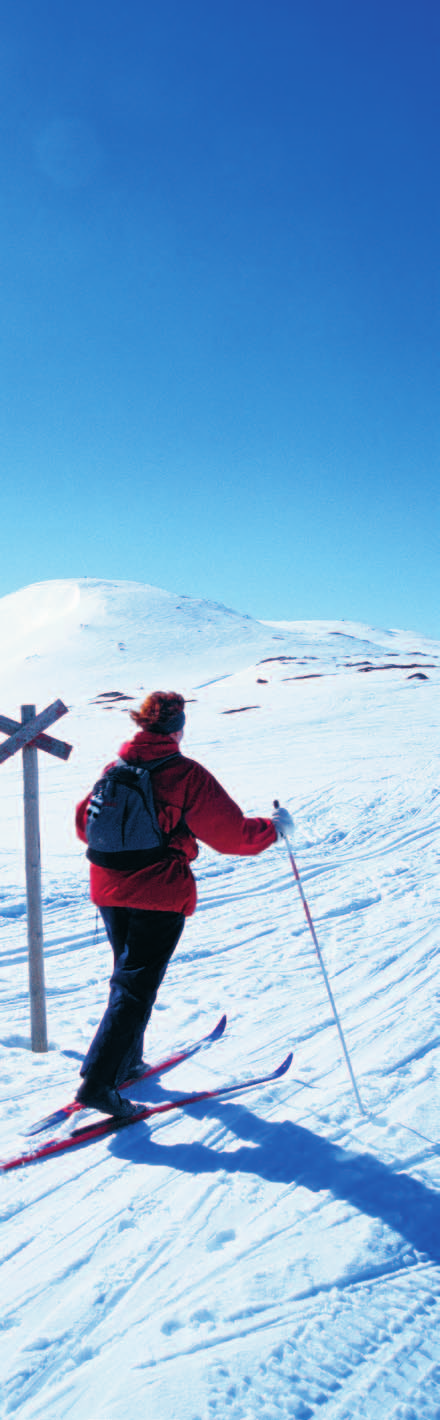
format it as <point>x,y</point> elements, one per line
<point>151,764</point>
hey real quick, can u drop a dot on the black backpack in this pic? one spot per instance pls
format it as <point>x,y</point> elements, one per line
<point>122,828</point>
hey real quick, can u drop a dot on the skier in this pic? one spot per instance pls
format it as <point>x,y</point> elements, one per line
<point>144,909</point>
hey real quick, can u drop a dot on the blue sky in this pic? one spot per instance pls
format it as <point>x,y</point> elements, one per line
<point>219,250</point>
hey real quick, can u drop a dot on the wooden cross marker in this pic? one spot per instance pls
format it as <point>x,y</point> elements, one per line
<point>29,737</point>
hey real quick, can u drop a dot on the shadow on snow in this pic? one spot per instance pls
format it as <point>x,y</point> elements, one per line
<point>287,1153</point>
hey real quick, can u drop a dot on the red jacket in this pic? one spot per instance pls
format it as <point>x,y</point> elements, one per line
<point>190,804</point>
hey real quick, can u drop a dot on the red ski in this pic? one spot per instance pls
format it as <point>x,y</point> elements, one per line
<point>59,1115</point>
<point>89,1132</point>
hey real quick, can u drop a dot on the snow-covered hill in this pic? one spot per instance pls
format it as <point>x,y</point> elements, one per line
<point>278,1255</point>
<point>69,635</point>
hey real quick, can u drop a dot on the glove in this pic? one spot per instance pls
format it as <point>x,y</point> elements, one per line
<point>282,821</point>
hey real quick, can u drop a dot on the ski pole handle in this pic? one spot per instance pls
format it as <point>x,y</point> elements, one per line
<point>282,821</point>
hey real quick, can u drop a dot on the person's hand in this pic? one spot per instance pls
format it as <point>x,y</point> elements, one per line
<point>282,821</point>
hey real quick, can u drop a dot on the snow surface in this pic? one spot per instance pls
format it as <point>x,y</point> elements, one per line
<point>276,1255</point>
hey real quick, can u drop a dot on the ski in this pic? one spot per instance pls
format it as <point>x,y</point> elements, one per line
<point>51,1121</point>
<point>87,1133</point>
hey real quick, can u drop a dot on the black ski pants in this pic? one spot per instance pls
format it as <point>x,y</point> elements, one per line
<point>143,943</point>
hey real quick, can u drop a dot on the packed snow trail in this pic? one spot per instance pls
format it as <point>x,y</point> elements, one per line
<point>269,1256</point>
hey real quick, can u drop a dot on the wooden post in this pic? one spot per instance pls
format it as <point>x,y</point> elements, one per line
<point>29,736</point>
<point>37,992</point>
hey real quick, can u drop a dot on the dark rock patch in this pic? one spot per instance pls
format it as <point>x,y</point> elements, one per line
<point>239,708</point>
<point>107,697</point>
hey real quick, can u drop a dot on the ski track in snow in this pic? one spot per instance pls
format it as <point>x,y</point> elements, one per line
<point>276,1255</point>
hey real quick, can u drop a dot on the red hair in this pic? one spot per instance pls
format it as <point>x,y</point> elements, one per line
<point>162,711</point>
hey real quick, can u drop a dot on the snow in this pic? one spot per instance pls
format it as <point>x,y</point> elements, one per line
<point>277,1254</point>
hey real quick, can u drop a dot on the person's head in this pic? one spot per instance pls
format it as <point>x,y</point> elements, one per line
<point>163,713</point>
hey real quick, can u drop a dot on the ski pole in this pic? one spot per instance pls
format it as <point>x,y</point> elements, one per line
<point>321,963</point>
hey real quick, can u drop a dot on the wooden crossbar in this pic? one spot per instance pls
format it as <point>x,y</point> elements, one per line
<point>27,733</point>
<point>59,748</point>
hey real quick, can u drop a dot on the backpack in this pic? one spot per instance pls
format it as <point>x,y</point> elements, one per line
<point>122,828</point>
